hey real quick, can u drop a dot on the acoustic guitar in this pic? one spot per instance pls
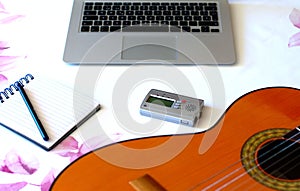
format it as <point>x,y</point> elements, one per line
<point>256,148</point>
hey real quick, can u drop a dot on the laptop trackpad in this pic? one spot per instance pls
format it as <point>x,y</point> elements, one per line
<point>147,48</point>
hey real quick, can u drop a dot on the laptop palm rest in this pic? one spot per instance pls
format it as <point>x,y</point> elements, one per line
<point>148,48</point>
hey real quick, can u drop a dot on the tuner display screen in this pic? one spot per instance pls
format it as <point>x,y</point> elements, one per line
<point>160,101</point>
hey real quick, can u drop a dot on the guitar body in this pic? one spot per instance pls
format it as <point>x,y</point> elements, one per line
<point>238,158</point>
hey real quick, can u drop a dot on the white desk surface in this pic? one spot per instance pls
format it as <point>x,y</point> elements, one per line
<point>262,30</point>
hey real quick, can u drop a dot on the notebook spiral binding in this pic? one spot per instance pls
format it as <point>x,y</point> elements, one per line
<point>10,90</point>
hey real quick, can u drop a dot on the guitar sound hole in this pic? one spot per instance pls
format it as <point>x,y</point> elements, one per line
<point>280,158</point>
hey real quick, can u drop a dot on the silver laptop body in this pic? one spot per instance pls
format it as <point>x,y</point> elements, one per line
<point>148,42</point>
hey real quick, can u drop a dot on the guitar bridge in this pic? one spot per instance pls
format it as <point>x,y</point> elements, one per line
<point>146,183</point>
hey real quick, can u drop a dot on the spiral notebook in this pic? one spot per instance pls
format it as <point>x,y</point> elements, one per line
<point>59,108</point>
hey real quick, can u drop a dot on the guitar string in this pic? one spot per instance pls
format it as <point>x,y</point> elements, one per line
<point>229,174</point>
<point>246,172</point>
<point>215,175</point>
<point>290,161</point>
<point>238,177</point>
<point>240,168</point>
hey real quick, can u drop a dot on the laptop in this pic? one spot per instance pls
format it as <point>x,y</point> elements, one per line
<point>178,32</point>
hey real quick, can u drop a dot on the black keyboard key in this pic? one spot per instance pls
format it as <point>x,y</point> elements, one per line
<point>98,7</point>
<point>153,8</point>
<point>129,12</point>
<point>141,18</point>
<point>122,18</point>
<point>135,22</point>
<point>162,8</point>
<point>183,23</point>
<point>87,23</point>
<point>107,8</point>
<point>117,23</point>
<point>167,13</point>
<point>88,7</point>
<point>169,18</point>
<point>186,28</point>
<point>90,18</point>
<point>113,18</point>
<point>97,23</point>
<point>126,23</point>
<point>149,13</point>
<point>131,17</point>
<point>158,13</point>
<point>165,22</point>
<point>111,12</point>
<point>150,18</point>
<point>95,29</point>
<point>215,18</point>
<point>214,30</point>
<point>90,13</point>
<point>116,8</point>
<point>144,8</point>
<point>159,18</point>
<point>139,13</point>
<point>85,29</point>
<point>104,28</point>
<point>102,18</point>
<point>208,23</point>
<point>195,30</point>
<point>176,13</point>
<point>120,13</point>
<point>101,12</point>
<point>125,8</point>
<point>205,29</point>
<point>206,18</point>
<point>107,23</point>
<point>187,18</point>
<point>178,18</point>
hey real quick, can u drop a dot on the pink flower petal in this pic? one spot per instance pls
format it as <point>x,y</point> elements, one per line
<point>8,62</point>
<point>295,17</point>
<point>16,164</point>
<point>48,180</point>
<point>70,143</point>
<point>3,79</point>
<point>3,46</point>
<point>66,153</point>
<point>76,156</point>
<point>12,187</point>
<point>10,19</point>
<point>2,43</point>
<point>1,6</point>
<point>294,40</point>
<point>4,168</point>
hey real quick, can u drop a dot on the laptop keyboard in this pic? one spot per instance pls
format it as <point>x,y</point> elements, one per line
<point>150,17</point>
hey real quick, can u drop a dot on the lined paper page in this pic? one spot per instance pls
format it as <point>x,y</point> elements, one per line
<point>54,104</point>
